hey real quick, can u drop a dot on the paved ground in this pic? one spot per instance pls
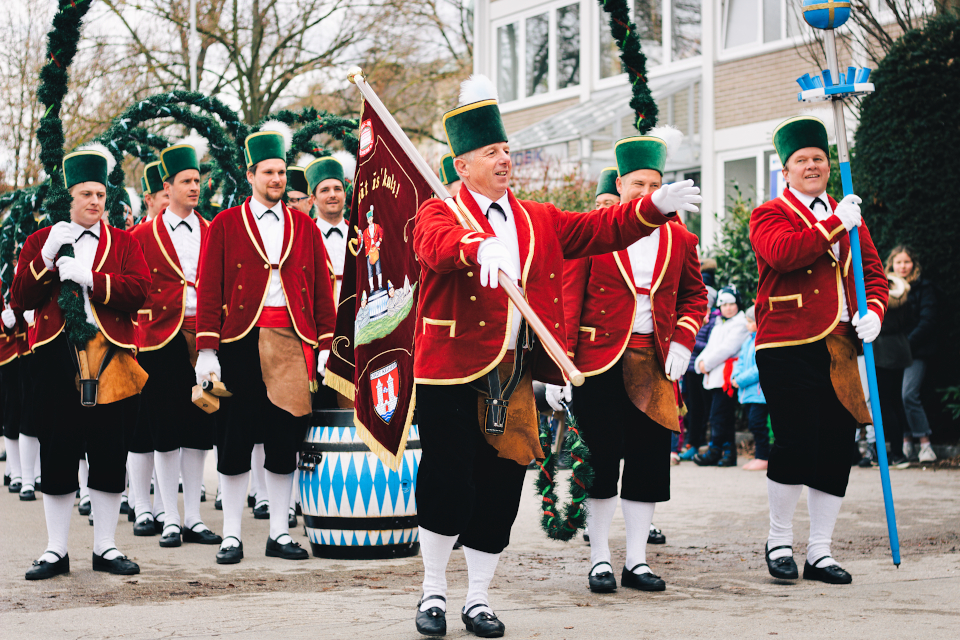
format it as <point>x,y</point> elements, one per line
<point>717,584</point>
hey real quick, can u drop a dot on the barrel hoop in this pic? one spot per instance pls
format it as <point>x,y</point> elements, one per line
<point>360,524</point>
<point>342,447</point>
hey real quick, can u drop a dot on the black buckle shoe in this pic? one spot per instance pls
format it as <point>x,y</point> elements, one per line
<point>292,520</point>
<point>251,501</point>
<point>433,621</point>
<point>288,551</point>
<point>831,574</point>
<point>230,555</point>
<point>146,527</point>
<point>15,486</point>
<point>119,566</point>
<point>603,582</point>
<point>708,459</point>
<point>84,507</point>
<point>203,536</point>
<point>218,504</point>
<point>125,507</point>
<point>41,569</point>
<point>656,536</point>
<point>783,568</point>
<point>642,581</point>
<point>262,511</point>
<point>132,515</point>
<point>170,538</point>
<point>158,523</point>
<point>484,624</point>
<point>27,495</point>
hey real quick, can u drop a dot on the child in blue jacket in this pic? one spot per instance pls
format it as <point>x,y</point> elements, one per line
<point>746,378</point>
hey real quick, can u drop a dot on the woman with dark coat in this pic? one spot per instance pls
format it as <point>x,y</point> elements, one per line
<point>892,352</point>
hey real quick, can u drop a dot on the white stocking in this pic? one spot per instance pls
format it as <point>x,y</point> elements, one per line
<point>599,517</point>
<point>29,460</point>
<point>141,469</point>
<point>167,465</point>
<point>106,509</point>
<point>57,511</point>
<point>435,550</point>
<point>234,493</point>
<point>279,486</point>
<point>480,569</point>
<point>824,509</point>
<point>13,460</point>
<point>191,466</point>
<point>783,502</point>
<point>637,517</point>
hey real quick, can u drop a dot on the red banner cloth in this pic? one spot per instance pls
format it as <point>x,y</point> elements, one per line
<point>371,359</point>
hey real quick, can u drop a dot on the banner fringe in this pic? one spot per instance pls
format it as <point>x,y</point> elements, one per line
<point>341,385</point>
<point>387,457</point>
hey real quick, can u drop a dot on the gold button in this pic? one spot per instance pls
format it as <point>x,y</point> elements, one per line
<point>809,271</point>
<point>552,276</point>
<point>816,290</point>
<point>303,308</point>
<point>164,308</point>
<point>266,266</point>
<point>482,323</point>
<point>607,335</point>
<point>239,286</point>
<point>158,290</point>
<point>304,267</point>
<point>118,319</point>
<point>833,264</point>
<point>304,290</point>
<point>674,293</point>
<point>241,306</point>
<point>238,265</point>
<point>46,317</point>
<point>602,290</point>
<point>154,270</point>
<point>473,298</point>
<point>556,326</point>
<point>666,339</point>
<point>556,300</point>
<point>469,274</point>
<point>603,313</point>
<point>181,282</point>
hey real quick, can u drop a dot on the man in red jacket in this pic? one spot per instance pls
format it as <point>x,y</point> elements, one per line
<point>632,319</point>
<point>113,277</point>
<point>181,432</point>
<point>806,345</point>
<point>264,304</point>
<point>472,345</point>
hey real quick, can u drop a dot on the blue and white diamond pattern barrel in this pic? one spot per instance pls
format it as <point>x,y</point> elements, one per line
<point>354,506</point>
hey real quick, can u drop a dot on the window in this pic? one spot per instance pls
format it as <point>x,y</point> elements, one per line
<point>648,15</point>
<point>568,46</point>
<point>755,22</point>
<point>538,54</point>
<point>679,42</point>
<point>740,175</point>
<point>508,71</point>
<point>686,29</point>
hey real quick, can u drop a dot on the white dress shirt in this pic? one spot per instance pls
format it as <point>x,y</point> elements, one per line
<point>506,231</point>
<point>271,232</point>
<point>85,250</point>
<point>336,246</point>
<point>185,234</point>
<point>643,259</point>
<point>822,213</point>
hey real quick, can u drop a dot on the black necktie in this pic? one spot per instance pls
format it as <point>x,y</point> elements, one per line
<point>329,232</point>
<point>91,234</point>
<point>182,223</point>
<point>816,201</point>
<point>270,211</point>
<point>498,209</point>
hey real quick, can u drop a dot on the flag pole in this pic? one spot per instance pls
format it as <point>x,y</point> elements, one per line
<point>557,352</point>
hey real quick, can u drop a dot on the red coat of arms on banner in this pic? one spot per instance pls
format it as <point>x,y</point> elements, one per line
<point>385,388</point>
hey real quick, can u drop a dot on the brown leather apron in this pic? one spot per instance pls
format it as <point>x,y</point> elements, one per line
<point>122,378</point>
<point>520,440</point>
<point>285,370</point>
<point>648,388</point>
<point>845,374</point>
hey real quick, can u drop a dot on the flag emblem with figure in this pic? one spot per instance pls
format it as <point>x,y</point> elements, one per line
<point>371,359</point>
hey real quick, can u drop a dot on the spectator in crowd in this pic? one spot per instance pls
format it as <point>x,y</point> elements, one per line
<point>708,272</point>
<point>694,397</point>
<point>746,379</point>
<point>921,333</point>
<point>716,363</point>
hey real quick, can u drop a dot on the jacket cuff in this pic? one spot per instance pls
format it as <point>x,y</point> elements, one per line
<point>469,246</point>
<point>877,307</point>
<point>830,228</point>
<point>325,342</point>
<point>648,213</point>
<point>101,288</point>
<point>684,335</point>
<point>208,340</point>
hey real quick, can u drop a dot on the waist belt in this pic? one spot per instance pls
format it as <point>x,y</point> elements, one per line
<point>843,329</point>
<point>640,341</point>
<point>498,395</point>
<point>88,386</point>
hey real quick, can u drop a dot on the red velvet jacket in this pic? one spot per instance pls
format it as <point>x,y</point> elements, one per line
<point>162,313</point>
<point>9,343</point>
<point>234,278</point>
<point>463,329</point>
<point>798,296</point>
<point>120,284</point>
<point>600,299</point>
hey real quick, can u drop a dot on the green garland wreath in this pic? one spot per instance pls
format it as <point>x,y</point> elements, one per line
<point>574,515</point>
<point>624,32</point>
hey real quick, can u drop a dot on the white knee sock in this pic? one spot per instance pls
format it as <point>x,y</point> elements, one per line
<point>295,493</point>
<point>824,509</point>
<point>167,465</point>
<point>258,487</point>
<point>599,516</point>
<point>29,460</point>
<point>435,550</point>
<point>234,494</point>
<point>141,469</point>
<point>637,517</point>
<point>279,486</point>
<point>158,512</point>
<point>480,569</point>
<point>191,466</point>
<point>83,476</point>
<point>783,502</point>
<point>14,469</point>
<point>57,511</point>
<point>106,509</point>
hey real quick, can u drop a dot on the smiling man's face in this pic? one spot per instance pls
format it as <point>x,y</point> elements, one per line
<point>808,171</point>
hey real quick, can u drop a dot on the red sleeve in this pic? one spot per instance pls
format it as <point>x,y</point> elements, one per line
<point>439,240</point>
<point>33,283</point>
<point>128,289</point>
<point>210,287</point>
<point>605,230</point>
<point>324,310</point>
<point>777,241</point>
<point>575,275</point>
<point>874,279</point>
<point>691,297</point>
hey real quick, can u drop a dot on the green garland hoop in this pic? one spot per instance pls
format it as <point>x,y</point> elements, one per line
<point>563,524</point>
<point>624,32</point>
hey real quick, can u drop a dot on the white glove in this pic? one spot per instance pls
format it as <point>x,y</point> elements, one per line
<point>322,358</point>
<point>557,393</point>
<point>678,196</point>
<point>868,327</point>
<point>207,363</point>
<point>9,318</point>
<point>848,210</point>
<point>28,315</point>
<point>678,357</point>
<point>60,234</point>
<point>71,269</point>
<point>494,256</point>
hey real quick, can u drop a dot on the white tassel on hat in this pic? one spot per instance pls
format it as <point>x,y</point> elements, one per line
<point>476,88</point>
<point>198,142</point>
<point>349,163</point>
<point>669,134</point>
<point>304,159</point>
<point>99,148</point>
<point>285,132</point>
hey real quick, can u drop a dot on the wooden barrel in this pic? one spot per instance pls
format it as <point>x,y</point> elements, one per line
<point>354,506</point>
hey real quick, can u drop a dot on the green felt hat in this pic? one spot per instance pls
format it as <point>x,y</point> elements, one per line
<point>85,166</point>
<point>297,180</point>
<point>177,158</point>
<point>151,181</point>
<point>798,133</point>
<point>641,152</point>
<point>323,169</point>
<point>607,183</point>
<point>448,175</point>
<point>474,126</point>
<point>264,145</point>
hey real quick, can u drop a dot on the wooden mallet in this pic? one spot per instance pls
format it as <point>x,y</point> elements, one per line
<point>207,394</point>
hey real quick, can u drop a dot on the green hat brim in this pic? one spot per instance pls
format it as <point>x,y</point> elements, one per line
<point>322,169</point>
<point>798,133</point>
<point>474,126</point>
<point>152,181</point>
<point>641,152</point>
<point>263,145</point>
<point>177,158</point>
<point>297,180</point>
<point>448,174</point>
<point>84,166</point>
<point>607,183</point>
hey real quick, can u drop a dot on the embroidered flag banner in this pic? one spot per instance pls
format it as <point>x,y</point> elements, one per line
<point>371,359</point>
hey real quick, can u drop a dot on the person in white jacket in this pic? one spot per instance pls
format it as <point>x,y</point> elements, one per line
<point>729,333</point>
